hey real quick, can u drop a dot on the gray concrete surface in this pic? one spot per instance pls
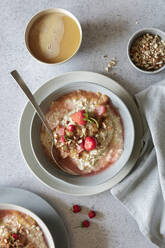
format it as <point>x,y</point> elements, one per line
<point>107,26</point>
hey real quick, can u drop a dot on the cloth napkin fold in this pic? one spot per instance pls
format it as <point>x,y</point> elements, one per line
<point>142,192</point>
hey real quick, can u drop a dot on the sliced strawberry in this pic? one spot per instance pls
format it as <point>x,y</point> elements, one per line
<point>80,147</point>
<point>90,143</point>
<point>100,110</point>
<point>71,128</point>
<point>79,117</point>
<point>62,139</point>
<point>61,131</point>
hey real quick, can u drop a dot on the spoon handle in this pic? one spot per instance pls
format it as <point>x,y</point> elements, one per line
<point>28,93</point>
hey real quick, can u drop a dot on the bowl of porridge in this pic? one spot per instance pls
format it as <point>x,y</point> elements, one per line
<point>93,134</point>
<point>19,227</point>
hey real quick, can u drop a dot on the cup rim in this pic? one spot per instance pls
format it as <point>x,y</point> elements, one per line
<point>133,38</point>
<point>37,15</point>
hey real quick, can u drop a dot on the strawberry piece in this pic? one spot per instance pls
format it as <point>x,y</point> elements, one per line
<point>61,131</point>
<point>15,236</point>
<point>80,147</point>
<point>91,214</point>
<point>79,117</point>
<point>76,209</point>
<point>64,154</point>
<point>85,223</point>
<point>62,139</point>
<point>71,128</point>
<point>100,110</point>
<point>90,143</point>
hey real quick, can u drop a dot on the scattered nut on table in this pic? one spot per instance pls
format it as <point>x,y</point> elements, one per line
<point>111,64</point>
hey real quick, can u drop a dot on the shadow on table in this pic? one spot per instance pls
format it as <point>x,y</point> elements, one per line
<point>128,85</point>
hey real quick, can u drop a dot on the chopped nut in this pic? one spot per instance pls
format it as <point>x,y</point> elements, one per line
<point>104,126</point>
<point>111,64</point>
<point>148,52</point>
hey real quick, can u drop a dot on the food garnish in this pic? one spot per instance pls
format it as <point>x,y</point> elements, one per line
<point>80,147</point>
<point>90,119</point>
<point>76,208</point>
<point>61,131</point>
<point>90,143</point>
<point>79,118</point>
<point>62,139</point>
<point>100,110</point>
<point>85,223</point>
<point>71,128</point>
<point>91,214</point>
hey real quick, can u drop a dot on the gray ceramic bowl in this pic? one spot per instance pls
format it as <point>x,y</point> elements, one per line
<point>46,232</point>
<point>129,135</point>
<point>139,33</point>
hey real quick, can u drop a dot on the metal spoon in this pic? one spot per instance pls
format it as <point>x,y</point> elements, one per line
<point>41,115</point>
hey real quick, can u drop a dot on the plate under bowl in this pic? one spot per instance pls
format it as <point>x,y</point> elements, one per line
<point>129,135</point>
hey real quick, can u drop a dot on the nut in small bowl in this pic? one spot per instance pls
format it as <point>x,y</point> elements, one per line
<point>146,50</point>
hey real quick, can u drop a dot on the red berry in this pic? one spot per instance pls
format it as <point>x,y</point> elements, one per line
<point>15,236</point>
<point>71,128</point>
<point>62,139</point>
<point>76,208</point>
<point>91,214</point>
<point>100,110</point>
<point>80,147</point>
<point>85,223</point>
<point>78,118</point>
<point>90,143</point>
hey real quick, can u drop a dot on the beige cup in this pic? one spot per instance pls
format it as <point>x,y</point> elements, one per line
<point>47,11</point>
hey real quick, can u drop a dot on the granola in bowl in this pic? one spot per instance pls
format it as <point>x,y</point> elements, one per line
<point>19,230</point>
<point>88,132</point>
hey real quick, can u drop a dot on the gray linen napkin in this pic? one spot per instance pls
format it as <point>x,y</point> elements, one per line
<point>142,192</point>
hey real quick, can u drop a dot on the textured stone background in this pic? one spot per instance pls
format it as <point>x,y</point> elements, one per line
<point>107,26</point>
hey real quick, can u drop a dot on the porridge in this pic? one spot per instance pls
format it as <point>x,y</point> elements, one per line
<point>88,132</point>
<point>18,230</point>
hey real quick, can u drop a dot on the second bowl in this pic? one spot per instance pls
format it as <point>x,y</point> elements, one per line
<point>101,177</point>
<point>135,36</point>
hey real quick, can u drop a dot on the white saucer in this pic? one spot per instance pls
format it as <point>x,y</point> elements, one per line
<point>47,89</point>
<point>41,208</point>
